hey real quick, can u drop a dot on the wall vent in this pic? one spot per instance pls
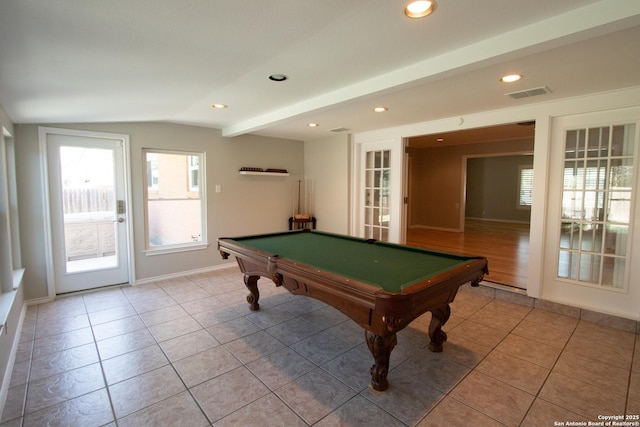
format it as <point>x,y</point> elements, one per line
<point>340,129</point>
<point>529,92</point>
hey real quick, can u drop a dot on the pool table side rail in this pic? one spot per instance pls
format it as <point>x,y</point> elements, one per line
<point>350,296</point>
<point>347,296</point>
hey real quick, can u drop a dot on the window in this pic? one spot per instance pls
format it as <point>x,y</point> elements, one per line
<point>174,201</point>
<point>525,186</point>
<point>10,261</point>
<point>596,205</point>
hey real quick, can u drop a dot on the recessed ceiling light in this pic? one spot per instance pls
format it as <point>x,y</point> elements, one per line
<point>313,125</point>
<point>219,106</point>
<point>380,109</point>
<point>278,77</point>
<point>511,78</point>
<point>419,9</point>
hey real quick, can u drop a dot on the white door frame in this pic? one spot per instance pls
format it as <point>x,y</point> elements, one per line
<point>49,260</point>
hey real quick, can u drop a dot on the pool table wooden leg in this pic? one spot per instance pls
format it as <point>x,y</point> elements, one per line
<point>438,318</point>
<point>251,282</point>
<point>380,347</point>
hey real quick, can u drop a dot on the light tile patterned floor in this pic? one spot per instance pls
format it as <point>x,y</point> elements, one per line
<point>188,352</point>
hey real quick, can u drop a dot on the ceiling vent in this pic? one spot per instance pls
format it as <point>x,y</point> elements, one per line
<point>341,129</point>
<point>529,92</point>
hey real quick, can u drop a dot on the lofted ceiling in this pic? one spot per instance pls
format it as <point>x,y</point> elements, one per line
<point>87,61</point>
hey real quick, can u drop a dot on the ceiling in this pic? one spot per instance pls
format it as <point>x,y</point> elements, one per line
<point>76,61</point>
<point>505,132</point>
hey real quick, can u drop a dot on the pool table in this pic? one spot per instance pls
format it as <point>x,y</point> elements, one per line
<point>381,286</point>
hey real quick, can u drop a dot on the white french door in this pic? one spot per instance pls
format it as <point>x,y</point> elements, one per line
<point>380,190</point>
<point>593,213</point>
<point>88,209</point>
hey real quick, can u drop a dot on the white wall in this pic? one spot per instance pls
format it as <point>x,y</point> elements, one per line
<point>246,204</point>
<point>326,163</point>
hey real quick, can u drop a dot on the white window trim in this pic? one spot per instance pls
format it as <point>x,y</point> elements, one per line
<point>520,169</point>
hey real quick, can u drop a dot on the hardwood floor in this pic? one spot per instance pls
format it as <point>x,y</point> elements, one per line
<point>506,246</point>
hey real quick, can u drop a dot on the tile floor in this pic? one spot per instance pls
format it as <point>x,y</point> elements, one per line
<point>188,352</point>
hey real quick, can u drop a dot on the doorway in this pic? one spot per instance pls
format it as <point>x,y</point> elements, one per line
<point>439,192</point>
<point>88,209</point>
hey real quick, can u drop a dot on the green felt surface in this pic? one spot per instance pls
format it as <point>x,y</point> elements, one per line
<point>390,267</point>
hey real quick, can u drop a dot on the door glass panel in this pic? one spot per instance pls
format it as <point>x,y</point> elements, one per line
<point>376,217</point>
<point>598,142</point>
<point>613,270</point>
<point>567,265</point>
<point>368,232</point>
<point>622,142</point>
<point>591,239</point>
<point>377,183</point>
<point>589,268</point>
<point>370,178</point>
<point>384,217</point>
<point>615,242</point>
<point>596,205</point>
<point>88,197</point>
<point>377,155</point>
<point>386,156</point>
<point>569,235</point>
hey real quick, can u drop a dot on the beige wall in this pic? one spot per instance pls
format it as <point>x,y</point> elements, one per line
<point>436,180</point>
<point>326,163</point>
<point>493,185</point>
<point>245,205</point>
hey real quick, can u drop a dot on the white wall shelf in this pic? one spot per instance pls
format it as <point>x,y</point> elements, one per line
<point>264,173</point>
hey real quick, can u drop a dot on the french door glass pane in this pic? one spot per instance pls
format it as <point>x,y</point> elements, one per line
<point>589,268</point>
<point>377,187</point>
<point>592,238</point>
<point>596,205</point>
<point>569,235</point>
<point>88,198</point>
<point>613,272</point>
<point>622,141</point>
<point>615,242</point>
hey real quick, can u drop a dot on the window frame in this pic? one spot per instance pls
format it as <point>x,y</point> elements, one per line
<point>521,169</point>
<point>155,188</point>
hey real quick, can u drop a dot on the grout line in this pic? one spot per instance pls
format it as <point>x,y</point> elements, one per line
<point>325,329</point>
<point>626,402</point>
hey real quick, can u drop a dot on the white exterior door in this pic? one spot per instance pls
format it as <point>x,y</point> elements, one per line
<point>590,259</point>
<point>379,185</point>
<point>88,209</point>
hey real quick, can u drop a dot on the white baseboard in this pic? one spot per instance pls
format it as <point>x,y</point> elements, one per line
<point>428,227</point>
<point>184,273</point>
<point>4,391</point>
<point>499,220</point>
